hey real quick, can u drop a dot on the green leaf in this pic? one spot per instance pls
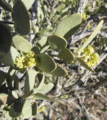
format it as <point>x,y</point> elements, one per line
<point>28,3</point>
<point>84,64</point>
<point>36,49</point>
<point>16,109</point>
<point>56,18</point>
<point>43,87</point>
<point>71,32</point>
<point>39,96</point>
<point>27,109</point>
<point>59,71</point>
<point>14,94</point>
<point>40,14</point>
<point>5,40</point>
<point>21,44</point>
<point>100,10</point>
<point>7,116</point>
<point>34,109</point>
<point>65,10</point>
<point>57,10</point>
<point>67,24</point>
<point>97,29</point>
<point>60,8</point>
<point>29,81</point>
<point>5,5</point>
<point>2,78</point>
<point>43,50</point>
<point>57,42</point>
<point>46,63</point>
<point>41,43</point>
<point>16,82</point>
<point>66,55</point>
<point>9,59</point>
<point>13,113</point>
<point>21,18</point>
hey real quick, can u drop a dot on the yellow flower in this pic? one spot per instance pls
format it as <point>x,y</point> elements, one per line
<point>28,59</point>
<point>86,58</point>
<point>88,51</point>
<point>31,54</point>
<point>95,57</point>
<point>91,64</point>
<point>32,62</point>
<point>85,16</point>
<point>90,57</point>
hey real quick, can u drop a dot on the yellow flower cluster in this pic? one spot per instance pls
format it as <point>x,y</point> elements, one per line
<point>28,59</point>
<point>90,57</point>
<point>85,16</point>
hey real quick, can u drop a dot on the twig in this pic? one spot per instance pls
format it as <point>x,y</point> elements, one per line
<point>58,87</point>
<point>51,111</point>
<point>92,116</point>
<point>0,13</point>
<point>69,80</point>
<point>83,108</point>
<point>71,101</point>
<point>82,4</point>
<point>86,76</point>
<point>103,34</point>
<point>33,20</point>
<point>81,36</point>
<point>86,26</point>
<point>99,94</point>
<point>7,22</point>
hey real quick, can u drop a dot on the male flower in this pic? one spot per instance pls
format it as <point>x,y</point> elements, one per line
<point>27,59</point>
<point>90,57</point>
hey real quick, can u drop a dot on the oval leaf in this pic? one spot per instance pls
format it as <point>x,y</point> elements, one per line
<point>9,59</point>
<point>46,63</point>
<point>14,94</point>
<point>91,37</point>
<point>27,109</point>
<point>5,39</point>
<point>29,81</point>
<point>57,42</point>
<point>5,5</point>
<point>2,78</point>
<point>36,49</point>
<point>39,96</point>
<point>43,87</point>
<point>21,44</point>
<point>13,113</point>
<point>34,109</point>
<point>59,71</point>
<point>66,55</point>
<point>16,109</point>
<point>28,3</point>
<point>21,18</point>
<point>67,24</point>
<point>60,7</point>
<point>84,64</point>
